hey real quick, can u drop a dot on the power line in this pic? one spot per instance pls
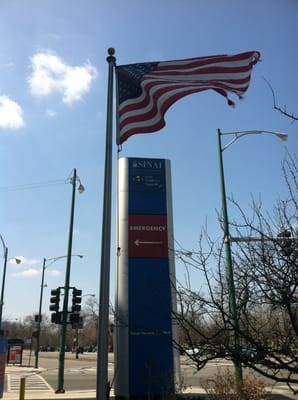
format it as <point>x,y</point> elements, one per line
<point>28,186</point>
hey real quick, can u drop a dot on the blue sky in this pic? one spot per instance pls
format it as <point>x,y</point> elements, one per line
<point>53,113</point>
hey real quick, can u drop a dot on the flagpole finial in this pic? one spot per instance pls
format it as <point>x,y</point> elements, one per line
<point>111,58</point>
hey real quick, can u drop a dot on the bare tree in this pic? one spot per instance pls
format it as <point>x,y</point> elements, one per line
<point>281,110</point>
<point>265,261</point>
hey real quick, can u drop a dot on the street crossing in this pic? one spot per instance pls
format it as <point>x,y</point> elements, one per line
<point>33,382</point>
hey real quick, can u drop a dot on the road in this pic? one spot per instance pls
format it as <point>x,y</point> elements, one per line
<point>80,374</point>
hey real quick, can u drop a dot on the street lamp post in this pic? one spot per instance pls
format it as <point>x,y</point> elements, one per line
<point>73,181</point>
<point>42,285</point>
<point>227,241</point>
<point>18,261</point>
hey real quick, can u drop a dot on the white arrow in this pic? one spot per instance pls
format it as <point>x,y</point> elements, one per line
<point>138,242</point>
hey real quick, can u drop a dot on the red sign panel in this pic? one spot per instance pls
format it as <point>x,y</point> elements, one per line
<point>147,236</point>
<point>15,355</point>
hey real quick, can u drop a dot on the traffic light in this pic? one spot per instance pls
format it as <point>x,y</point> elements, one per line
<point>76,300</point>
<point>54,300</point>
<point>74,318</point>
<point>76,321</point>
<point>56,318</point>
<point>54,306</point>
<point>37,318</point>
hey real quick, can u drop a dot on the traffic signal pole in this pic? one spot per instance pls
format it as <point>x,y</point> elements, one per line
<point>39,314</point>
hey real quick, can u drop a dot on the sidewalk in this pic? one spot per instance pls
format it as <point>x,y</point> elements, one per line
<point>91,395</point>
<point>38,391</point>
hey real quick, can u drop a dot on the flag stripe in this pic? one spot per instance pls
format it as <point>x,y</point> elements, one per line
<point>157,88</point>
<point>154,118</point>
<point>129,110</point>
<point>147,90</point>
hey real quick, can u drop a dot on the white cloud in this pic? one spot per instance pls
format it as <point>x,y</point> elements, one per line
<point>11,114</point>
<point>51,75</point>
<point>31,272</point>
<point>53,272</point>
<point>51,113</point>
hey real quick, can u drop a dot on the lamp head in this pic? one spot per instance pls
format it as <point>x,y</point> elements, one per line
<point>282,136</point>
<point>18,260</point>
<point>81,188</point>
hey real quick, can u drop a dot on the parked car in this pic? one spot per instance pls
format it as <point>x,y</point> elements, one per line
<point>217,351</point>
<point>46,348</point>
<point>88,349</point>
<point>193,351</point>
<point>253,353</point>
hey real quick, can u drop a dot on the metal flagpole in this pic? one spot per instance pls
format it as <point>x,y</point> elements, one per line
<point>102,388</point>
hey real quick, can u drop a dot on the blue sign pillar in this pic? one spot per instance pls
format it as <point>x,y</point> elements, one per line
<point>146,362</point>
<point>3,354</point>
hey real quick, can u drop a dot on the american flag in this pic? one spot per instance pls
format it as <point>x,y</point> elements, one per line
<point>146,90</point>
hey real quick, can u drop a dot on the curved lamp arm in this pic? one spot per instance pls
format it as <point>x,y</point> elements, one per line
<point>3,243</point>
<point>239,134</point>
